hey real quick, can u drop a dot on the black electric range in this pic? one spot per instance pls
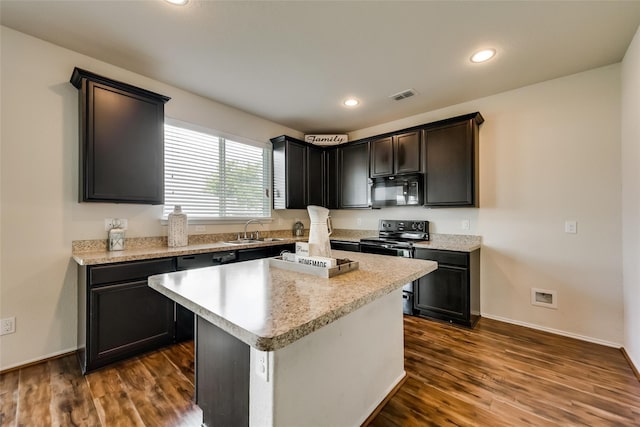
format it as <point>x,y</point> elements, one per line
<point>396,238</point>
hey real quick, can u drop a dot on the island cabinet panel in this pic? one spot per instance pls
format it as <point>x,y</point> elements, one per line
<point>451,163</point>
<point>396,154</point>
<point>452,292</point>
<point>298,174</point>
<point>121,141</point>
<point>355,185</point>
<point>119,315</point>
<point>222,376</point>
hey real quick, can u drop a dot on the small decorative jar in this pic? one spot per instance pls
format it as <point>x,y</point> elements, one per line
<point>177,234</point>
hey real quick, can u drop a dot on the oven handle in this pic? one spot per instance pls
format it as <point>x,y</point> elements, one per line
<point>400,252</point>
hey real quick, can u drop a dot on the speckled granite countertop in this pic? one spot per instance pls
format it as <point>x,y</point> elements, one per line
<point>452,242</point>
<point>269,308</point>
<point>94,252</point>
<point>150,252</point>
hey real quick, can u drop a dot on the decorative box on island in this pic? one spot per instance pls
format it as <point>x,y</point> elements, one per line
<point>318,266</point>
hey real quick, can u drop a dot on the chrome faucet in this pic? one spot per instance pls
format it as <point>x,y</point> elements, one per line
<point>257,221</point>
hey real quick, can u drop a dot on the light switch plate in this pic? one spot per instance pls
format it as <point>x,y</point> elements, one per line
<point>571,227</point>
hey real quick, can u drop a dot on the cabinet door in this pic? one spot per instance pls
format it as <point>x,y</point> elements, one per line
<point>315,176</point>
<point>126,319</point>
<point>407,152</point>
<point>121,141</point>
<point>450,167</point>
<point>354,176</point>
<point>444,293</point>
<point>332,182</point>
<point>296,183</point>
<point>382,157</point>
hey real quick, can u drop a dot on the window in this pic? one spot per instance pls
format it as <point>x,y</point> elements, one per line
<point>213,177</point>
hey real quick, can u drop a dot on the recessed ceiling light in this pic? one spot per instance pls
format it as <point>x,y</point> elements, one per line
<point>178,2</point>
<point>483,55</point>
<point>351,102</point>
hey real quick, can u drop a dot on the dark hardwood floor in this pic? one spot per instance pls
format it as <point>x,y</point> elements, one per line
<point>495,375</point>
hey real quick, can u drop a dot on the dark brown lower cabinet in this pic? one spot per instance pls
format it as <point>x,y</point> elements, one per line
<point>119,315</point>
<point>452,292</point>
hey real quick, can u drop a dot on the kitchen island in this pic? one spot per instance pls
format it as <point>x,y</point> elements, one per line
<point>276,347</point>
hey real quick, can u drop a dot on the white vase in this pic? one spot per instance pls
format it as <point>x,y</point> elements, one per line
<point>177,234</point>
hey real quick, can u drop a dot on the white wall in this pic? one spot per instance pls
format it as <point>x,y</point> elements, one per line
<point>631,198</point>
<point>548,152</point>
<point>40,215</point>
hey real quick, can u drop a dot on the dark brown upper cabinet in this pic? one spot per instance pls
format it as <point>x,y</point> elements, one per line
<point>451,162</point>
<point>332,180</point>
<point>396,154</point>
<point>121,141</point>
<point>298,174</point>
<point>355,189</point>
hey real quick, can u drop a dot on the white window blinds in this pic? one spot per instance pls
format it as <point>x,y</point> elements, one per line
<point>212,177</point>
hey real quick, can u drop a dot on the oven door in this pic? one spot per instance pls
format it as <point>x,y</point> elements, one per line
<point>382,249</point>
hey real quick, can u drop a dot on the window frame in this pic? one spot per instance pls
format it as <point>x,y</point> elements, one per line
<point>268,163</point>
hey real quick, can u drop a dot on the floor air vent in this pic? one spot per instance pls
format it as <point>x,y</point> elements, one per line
<point>402,95</point>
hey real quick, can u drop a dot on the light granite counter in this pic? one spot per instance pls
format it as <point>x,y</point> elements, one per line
<point>94,252</point>
<point>136,253</point>
<point>451,242</point>
<point>269,308</point>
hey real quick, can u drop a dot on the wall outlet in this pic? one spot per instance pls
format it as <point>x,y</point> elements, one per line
<point>358,221</point>
<point>465,224</point>
<point>201,228</point>
<point>110,223</point>
<point>7,326</point>
<point>262,365</point>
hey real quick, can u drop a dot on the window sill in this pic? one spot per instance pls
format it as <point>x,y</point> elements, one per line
<point>219,221</point>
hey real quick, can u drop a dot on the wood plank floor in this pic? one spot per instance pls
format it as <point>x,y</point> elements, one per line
<point>495,375</point>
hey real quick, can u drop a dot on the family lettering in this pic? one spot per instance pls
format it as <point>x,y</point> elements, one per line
<point>326,139</point>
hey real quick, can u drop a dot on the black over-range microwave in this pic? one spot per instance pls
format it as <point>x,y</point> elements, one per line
<point>397,190</point>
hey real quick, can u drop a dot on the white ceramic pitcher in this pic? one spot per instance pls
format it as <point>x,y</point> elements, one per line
<point>319,244</point>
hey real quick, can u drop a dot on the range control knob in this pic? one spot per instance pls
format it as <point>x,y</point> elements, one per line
<point>420,226</point>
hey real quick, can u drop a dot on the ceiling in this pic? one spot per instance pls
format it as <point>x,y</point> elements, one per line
<point>295,62</point>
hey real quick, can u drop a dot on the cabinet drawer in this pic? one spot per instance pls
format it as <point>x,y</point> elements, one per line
<point>444,257</point>
<point>129,271</point>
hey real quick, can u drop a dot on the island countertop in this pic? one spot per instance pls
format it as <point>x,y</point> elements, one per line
<point>269,308</point>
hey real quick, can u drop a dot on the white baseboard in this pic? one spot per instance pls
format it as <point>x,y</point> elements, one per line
<point>553,331</point>
<point>38,359</point>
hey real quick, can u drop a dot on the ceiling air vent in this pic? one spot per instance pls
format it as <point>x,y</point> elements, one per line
<point>402,95</point>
